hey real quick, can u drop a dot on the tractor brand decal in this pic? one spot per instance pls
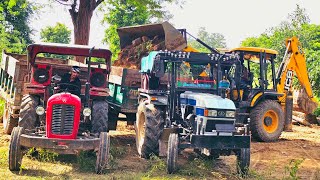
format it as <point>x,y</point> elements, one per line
<point>288,81</point>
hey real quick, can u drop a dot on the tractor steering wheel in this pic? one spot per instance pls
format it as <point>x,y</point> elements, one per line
<point>68,85</point>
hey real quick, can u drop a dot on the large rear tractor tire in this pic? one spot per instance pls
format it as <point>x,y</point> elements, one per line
<point>149,126</point>
<point>15,149</point>
<point>173,152</point>
<point>99,116</point>
<point>267,121</point>
<point>243,161</point>
<point>8,121</point>
<point>28,117</point>
<point>103,153</point>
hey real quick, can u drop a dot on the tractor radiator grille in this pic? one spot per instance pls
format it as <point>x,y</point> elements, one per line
<point>211,124</point>
<point>62,119</point>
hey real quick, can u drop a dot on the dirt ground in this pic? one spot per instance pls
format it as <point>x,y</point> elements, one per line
<point>297,151</point>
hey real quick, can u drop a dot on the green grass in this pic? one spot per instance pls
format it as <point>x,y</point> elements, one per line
<point>2,103</point>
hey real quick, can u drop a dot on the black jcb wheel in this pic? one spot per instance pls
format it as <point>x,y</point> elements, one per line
<point>28,117</point>
<point>243,161</point>
<point>15,149</point>
<point>149,126</point>
<point>173,152</point>
<point>267,121</point>
<point>99,116</point>
<point>8,121</point>
<point>103,153</point>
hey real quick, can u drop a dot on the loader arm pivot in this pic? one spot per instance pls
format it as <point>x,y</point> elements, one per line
<point>296,62</point>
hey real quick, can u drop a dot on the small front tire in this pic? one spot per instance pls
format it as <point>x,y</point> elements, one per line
<point>173,151</point>
<point>243,161</point>
<point>103,153</point>
<point>15,149</point>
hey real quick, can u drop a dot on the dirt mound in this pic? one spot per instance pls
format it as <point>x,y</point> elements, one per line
<point>130,56</point>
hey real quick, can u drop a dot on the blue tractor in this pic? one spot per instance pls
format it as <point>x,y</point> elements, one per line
<point>183,104</point>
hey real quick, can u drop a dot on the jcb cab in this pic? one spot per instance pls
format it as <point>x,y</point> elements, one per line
<point>263,94</point>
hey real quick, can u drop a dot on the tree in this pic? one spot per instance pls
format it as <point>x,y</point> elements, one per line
<point>215,40</point>
<point>11,41</point>
<point>56,34</point>
<point>298,24</point>
<point>14,24</point>
<point>122,13</point>
<point>81,13</point>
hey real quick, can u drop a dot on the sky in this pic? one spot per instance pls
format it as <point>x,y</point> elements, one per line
<point>235,19</point>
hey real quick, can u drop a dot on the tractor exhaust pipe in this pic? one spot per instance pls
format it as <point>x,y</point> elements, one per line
<point>87,90</point>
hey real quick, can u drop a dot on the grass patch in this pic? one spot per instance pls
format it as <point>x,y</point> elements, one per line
<point>292,169</point>
<point>42,155</point>
<point>198,167</point>
<point>156,166</point>
<point>86,161</point>
<point>2,103</point>
<point>3,157</point>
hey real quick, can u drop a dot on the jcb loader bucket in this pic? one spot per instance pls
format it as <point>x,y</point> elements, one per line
<point>174,40</point>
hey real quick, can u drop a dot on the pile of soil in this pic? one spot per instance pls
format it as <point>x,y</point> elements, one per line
<point>130,56</point>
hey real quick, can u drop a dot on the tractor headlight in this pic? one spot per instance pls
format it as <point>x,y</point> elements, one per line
<point>40,110</point>
<point>87,112</point>
<point>230,114</point>
<point>213,113</point>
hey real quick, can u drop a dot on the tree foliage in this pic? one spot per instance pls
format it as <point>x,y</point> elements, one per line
<point>14,24</point>
<point>214,40</point>
<point>297,24</point>
<point>122,13</point>
<point>56,34</point>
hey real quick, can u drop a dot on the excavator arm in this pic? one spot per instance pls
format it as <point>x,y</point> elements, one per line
<point>294,63</point>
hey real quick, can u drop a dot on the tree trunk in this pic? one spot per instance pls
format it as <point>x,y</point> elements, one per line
<point>81,20</point>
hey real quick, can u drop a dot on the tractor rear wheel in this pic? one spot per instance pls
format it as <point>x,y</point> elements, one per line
<point>173,152</point>
<point>99,116</point>
<point>149,126</point>
<point>28,117</point>
<point>103,153</point>
<point>243,161</point>
<point>8,121</point>
<point>267,121</point>
<point>15,149</point>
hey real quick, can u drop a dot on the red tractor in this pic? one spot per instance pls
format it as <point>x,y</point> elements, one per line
<point>56,119</point>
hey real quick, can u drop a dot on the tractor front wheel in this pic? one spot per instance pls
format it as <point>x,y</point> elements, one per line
<point>103,153</point>
<point>148,126</point>
<point>173,152</point>
<point>243,161</point>
<point>15,149</point>
<point>267,121</point>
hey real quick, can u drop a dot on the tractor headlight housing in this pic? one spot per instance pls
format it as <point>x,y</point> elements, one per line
<point>40,110</point>
<point>230,114</point>
<point>86,111</point>
<point>212,113</point>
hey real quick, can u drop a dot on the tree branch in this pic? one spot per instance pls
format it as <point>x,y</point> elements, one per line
<point>96,4</point>
<point>73,12</point>
<point>65,4</point>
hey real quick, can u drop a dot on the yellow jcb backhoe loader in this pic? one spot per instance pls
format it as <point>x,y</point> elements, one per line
<point>264,96</point>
